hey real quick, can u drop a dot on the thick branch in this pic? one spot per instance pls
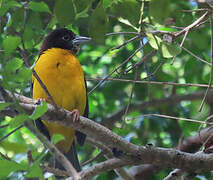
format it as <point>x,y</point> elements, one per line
<point>190,144</point>
<point>131,153</point>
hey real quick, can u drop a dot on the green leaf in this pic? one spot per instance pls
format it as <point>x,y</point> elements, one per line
<point>154,41</point>
<point>159,10</point>
<point>10,44</point>
<point>18,120</point>
<point>24,74</point>
<point>4,105</point>
<point>17,19</point>
<point>28,37</point>
<point>82,5</point>
<point>14,64</point>
<point>40,110</point>
<point>170,50</point>
<point>64,11</point>
<point>107,3</point>
<point>127,22</point>
<point>98,24</point>
<point>39,7</point>
<point>128,9</point>
<point>6,5</point>
<point>34,23</point>
<point>9,166</point>
<point>56,138</point>
<point>82,14</point>
<point>35,171</point>
<point>169,29</point>
<point>14,146</point>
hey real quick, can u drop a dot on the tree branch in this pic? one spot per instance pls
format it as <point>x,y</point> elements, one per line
<point>132,154</point>
<point>174,99</point>
<point>194,24</point>
<point>103,167</point>
<point>59,156</point>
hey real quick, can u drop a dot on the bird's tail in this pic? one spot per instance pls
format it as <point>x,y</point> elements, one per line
<point>72,156</point>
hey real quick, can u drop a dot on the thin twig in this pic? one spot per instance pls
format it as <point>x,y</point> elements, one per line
<point>195,10</point>
<point>160,32</point>
<point>130,98</point>
<point>194,24</point>
<point>89,154</point>
<point>152,53</point>
<point>178,118</point>
<point>45,89</point>
<point>173,60</point>
<point>150,82</point>
<point>128,41</point>
<point>149,79</point>
<point>24,51</point>
<point>4,137</point>
<point>101,56</point>
<point>93,159</point>
<point>210,77</point>
<point>59,156</point>
<point>4,157</point>
<point>204,142</point>
<point>118,67</point>
<point>201,23</point>
<point>24,56</point>
<point>140,22</point>
<point>184,38</point>
<point>155,71</point>
<point>3,126</point>
<point>196,57</point>
<point>120,33</point>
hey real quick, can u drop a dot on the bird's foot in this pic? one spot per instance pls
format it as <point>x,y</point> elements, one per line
<point>76,115</point>
<point>39,101</point>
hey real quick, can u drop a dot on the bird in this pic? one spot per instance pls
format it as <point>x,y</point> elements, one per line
<point>60,71</point>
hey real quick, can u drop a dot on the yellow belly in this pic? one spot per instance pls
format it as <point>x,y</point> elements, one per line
<point>62,74</point>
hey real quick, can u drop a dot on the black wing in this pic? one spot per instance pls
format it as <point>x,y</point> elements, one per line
<point>38,123</point>
<point>79,135</point>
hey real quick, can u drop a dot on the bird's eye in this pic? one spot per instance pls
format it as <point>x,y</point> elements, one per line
<point>66,37</point>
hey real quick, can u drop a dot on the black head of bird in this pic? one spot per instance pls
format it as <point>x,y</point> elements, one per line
<point>64,39</point>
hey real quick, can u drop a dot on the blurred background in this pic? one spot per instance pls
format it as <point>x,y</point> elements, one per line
<point>137,67</point>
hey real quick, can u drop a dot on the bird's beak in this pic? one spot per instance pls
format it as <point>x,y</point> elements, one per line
<point>80,39</point>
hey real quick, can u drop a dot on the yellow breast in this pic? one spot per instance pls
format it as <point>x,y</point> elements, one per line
<point>63,76</point>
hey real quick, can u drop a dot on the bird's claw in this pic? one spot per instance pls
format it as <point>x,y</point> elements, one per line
<point>39,101</point>
<point>76,115</point>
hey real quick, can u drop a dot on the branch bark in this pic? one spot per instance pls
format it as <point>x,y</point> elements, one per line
<point>132,154</point>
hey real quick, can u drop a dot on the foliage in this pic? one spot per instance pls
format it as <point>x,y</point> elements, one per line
<point>25,23</point>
